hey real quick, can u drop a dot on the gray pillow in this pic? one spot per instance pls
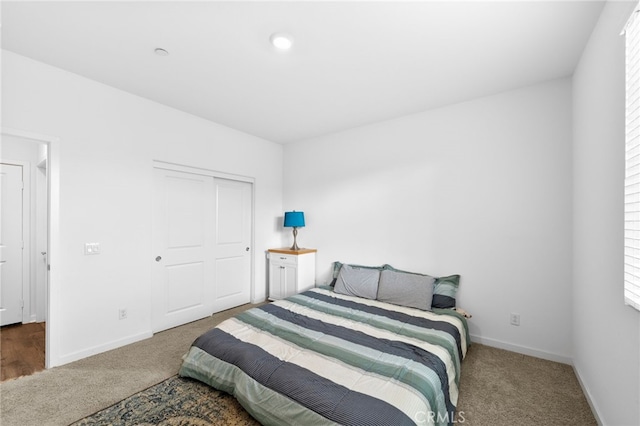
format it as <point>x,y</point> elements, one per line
<point>337,265</point>
<point>406,289</point>
<point>355,281</point>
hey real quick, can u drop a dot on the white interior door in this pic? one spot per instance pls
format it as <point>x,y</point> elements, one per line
<point>183,244</point>
<point>233,243</point>
<point>11,244</point>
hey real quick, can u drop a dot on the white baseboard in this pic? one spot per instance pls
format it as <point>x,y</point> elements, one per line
<point>587,395</point>
<point>522,350</point>
<point>75,356</point>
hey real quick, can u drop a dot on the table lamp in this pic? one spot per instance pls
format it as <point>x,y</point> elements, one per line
<point>294,220</point>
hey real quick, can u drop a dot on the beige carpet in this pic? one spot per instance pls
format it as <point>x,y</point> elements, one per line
<point>62,395</point>
<point>497,387</point>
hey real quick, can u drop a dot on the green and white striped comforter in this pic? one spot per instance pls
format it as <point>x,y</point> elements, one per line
<point>321,358</point>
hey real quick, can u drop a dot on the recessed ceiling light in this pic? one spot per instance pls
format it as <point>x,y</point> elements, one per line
<point>281,41</point>
<point>161,52</point>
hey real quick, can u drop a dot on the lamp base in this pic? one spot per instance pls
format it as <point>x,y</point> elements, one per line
<point>295,243</point>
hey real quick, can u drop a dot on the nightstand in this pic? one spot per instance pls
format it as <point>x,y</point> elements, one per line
<point>291,271</point>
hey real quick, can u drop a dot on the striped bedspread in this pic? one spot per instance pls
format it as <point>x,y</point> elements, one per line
<point>321,358</point>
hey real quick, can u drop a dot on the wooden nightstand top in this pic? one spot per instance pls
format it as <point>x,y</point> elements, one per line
<point>294,252</point>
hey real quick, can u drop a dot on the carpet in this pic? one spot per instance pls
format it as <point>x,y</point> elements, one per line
<point>177,401</point>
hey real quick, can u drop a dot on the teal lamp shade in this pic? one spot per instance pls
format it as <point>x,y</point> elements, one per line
<point>294,220</point>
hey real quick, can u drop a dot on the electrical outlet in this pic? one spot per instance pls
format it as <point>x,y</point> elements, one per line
<point>91,248</point>
<point>514,319</point>
<point>122,313</point>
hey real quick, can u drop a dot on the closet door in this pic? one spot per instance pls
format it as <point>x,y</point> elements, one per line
<point>233,243</point>
<point>183,283</point>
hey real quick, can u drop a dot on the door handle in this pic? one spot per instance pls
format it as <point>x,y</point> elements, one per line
<point>158,258</point>
<point>247,249</point>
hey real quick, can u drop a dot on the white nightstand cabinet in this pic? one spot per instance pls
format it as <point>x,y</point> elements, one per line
<point>291,271</point>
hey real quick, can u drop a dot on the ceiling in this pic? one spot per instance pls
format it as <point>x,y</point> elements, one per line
<point>352,62</point>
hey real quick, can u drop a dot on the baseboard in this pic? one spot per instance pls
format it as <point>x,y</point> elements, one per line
<point>75,356</point>
<point>587,395</point>
<point>522,350</point>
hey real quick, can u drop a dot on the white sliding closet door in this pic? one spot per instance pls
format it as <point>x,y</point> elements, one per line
<point>202,227</point>
<point>183,276</point>
<point>233,237</point>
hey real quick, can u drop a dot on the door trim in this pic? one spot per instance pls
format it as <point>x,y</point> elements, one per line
<point>53,333</point>
<point>157,164</point>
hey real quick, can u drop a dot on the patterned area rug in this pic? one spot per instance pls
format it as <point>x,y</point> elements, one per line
<point>175,402</point>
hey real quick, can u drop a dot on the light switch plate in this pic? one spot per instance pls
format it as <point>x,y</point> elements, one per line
<point>91,248</point>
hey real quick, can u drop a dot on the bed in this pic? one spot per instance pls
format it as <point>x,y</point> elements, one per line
<point>324,357</point>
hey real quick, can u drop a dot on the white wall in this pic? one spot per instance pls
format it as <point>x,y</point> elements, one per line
<point>481,188</point>
<point>108,140</point>
<point>606,347</point>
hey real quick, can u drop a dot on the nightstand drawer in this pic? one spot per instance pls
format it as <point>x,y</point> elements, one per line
<point>283,259</point>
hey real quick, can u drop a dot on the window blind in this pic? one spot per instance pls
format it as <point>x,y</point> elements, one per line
<point>632,164</point>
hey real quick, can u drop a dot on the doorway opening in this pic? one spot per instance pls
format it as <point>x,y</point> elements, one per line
<point>24,247</point>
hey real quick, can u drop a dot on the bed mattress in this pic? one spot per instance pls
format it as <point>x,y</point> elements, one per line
<point>321,358</point>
